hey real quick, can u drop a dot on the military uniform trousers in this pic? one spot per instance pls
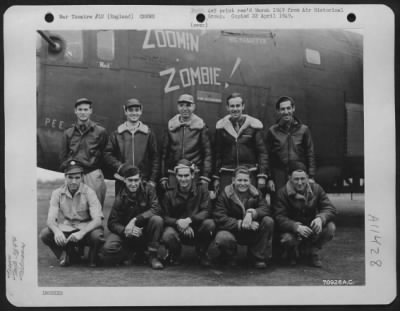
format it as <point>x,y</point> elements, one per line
<point>203,235</point>
<point>259,242</point>
<point>94,239</point>
<point>290,241</point>
<point>118,248</point>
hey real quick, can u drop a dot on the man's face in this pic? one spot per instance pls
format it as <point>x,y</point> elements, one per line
<point>235,107</point>
<point>133,113</point>
<point>73,181</point>
<point>133,182</point>
<point>185,109</point>
<point>184,177</point>
<point>83,112</point>
<point>299,180</point>
<point>241,182</point>
<point>286,111</point>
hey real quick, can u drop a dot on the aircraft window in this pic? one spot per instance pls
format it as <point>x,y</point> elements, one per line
<point>72,40</point>
<point>105,45</point>
<point>313,57</point>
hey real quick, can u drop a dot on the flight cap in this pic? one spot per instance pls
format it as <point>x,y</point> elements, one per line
<point>73,167</point>
<point>186,98</point>
<point>183,163</point>
<point>82,100</point>
<point>133,102</point>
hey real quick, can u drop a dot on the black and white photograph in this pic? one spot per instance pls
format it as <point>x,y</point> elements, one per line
<point>202,159</point>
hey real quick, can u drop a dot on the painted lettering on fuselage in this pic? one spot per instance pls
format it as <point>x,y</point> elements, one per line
<point>190,76</point>
<point>171,39</point>
<point>54,123</point>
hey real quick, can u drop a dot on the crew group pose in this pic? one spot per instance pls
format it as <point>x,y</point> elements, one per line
<point>162,197</point>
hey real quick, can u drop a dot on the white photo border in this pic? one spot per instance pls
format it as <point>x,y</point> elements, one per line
<point>20,25</point>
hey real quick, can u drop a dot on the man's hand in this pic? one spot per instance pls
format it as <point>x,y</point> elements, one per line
<point>76,237</point>
<point>216,184</point>
<point>189,233</point>
<point>311,180</point>
<point>164,185</point>
<point>271,185</point>
<point>129,228</point>
<point>183,224</point>
<point>137,231</point>
<point>304,231</point>
<point>247,221</point>
<point>254,226</point>
<point>128,232</point>
<point>316,225</point>
<point>213,195</point>
<point>59,238</point>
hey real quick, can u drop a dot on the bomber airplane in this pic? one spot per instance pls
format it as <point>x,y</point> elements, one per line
<point>321,69</point>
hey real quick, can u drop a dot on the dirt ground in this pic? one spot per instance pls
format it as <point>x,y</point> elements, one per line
<point>343,258</point>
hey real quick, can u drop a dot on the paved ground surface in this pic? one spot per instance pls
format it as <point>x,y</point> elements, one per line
<point>343,259</point>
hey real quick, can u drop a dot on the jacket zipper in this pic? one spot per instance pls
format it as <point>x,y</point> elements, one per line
<point>289,141</point>
<point>182,143</point>
<point>237,152</point>
<point>133,146</point>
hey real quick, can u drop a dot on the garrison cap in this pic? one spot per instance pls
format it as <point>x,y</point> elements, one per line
<point>186,98</point>
<point>82,100</point>
<point>133,102</point>
<point>73,167</point>
<point>296,166</point>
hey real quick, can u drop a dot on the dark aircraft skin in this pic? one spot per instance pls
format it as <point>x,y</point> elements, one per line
<point>321,69</point>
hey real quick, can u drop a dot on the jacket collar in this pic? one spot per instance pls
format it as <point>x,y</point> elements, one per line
<point>125,193</point>
<point>231,194</point>
<point>90,125</point>
<point>292,192</point>
<point>226,124</point>
<point>141,128</point>
<point>65,191</point>
<point>296,122</point>
<point>195,123</point>
<point>193,190</point>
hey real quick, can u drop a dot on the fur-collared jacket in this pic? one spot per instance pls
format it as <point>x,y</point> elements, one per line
<point>229,210</point>
<point>291,208</point>
<point>138,147</point>
<point>187,140</point>
<point>291,144</point>
<point>245,147</point>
